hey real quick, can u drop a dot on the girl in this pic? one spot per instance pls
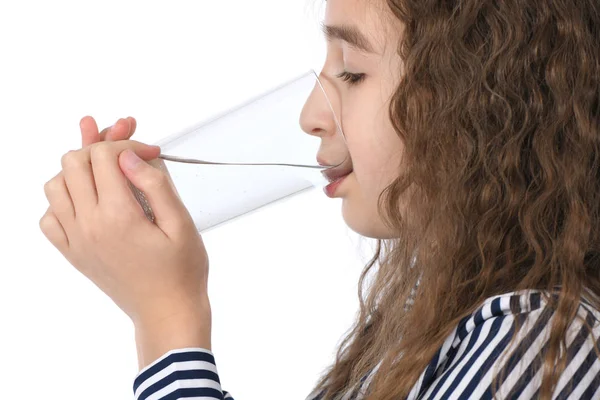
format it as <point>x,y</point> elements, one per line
<point>473,128</point>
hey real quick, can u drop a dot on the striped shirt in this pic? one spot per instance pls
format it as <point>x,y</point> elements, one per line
<point>462,368</point>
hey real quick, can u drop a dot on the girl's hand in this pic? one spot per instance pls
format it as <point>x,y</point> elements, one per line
<point>153,272</point>
<point>123,129</point>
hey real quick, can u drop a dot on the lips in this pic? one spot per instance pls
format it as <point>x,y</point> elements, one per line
<point>334,173</point>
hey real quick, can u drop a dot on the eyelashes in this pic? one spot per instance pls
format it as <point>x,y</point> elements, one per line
<point>350,78</point>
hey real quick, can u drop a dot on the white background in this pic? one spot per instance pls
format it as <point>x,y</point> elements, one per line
<point>283,280</point>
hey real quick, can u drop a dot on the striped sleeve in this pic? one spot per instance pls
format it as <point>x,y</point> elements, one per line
<point>481,350</point>
<point>180,374</point>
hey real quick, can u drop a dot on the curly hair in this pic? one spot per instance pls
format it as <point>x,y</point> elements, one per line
<point>498,108</point>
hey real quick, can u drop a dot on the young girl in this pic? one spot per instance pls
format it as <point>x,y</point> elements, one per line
<point>473,128</point>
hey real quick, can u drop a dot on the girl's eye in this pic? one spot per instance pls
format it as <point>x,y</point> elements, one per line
<point>350,78</point>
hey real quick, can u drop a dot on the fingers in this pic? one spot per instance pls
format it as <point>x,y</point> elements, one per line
<point>91,173</point>
<point>54,231</point>
<point>103,133</point>
<point>133,126</point>
<point>123,129</point>
<point>61,204</point>
<point>89,131</point>
<point>112,186</point>
<point>119,131</point>
<point>79,179</point>
<point>159,193</point>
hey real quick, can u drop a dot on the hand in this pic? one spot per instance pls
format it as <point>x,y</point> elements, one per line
<point>119,131</point>
<point>153,272</point>
<point>123,129</point>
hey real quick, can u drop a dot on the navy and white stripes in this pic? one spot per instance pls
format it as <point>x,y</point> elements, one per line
<point>463,368</point>
<point>476,352</point>
<point>189,373</point>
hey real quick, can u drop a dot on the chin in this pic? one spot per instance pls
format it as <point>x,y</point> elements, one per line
<point>365,224</point>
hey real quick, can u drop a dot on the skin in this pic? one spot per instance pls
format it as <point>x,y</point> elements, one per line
<point>362,109</point>
<point>156,273</point>
<point>86,229</point>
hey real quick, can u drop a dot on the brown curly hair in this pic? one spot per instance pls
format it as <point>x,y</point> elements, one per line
<point>498,108</point>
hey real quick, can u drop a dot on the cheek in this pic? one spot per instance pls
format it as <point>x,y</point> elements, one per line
<point>374,145</point>
<point>377,161</point>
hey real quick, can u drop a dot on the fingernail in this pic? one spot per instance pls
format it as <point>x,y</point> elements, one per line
<point>131,159</point>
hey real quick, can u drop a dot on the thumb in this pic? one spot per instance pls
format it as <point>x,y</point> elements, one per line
<point>159,191</point>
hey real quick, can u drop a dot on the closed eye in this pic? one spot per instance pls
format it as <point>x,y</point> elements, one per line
<point>350,78</point>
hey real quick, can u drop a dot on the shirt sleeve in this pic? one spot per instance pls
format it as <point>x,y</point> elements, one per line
<point>180,374</point>
<point>485,351</point>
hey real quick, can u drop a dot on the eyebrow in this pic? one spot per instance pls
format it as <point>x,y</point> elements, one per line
<point>349,34</point>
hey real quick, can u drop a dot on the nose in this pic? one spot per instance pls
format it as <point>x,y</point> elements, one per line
<point>316,117</point>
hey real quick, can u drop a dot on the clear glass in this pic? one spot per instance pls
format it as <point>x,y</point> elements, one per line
<point>256,153</point>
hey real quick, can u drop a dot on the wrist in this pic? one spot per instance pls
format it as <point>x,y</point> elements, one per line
<point>182,329</point>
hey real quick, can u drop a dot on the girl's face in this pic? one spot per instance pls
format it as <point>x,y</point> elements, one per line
<point>362,70</point>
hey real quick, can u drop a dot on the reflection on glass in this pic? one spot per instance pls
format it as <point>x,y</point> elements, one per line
<point>204,161</point>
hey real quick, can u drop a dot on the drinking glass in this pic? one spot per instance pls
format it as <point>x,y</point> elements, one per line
<point>255,153</point>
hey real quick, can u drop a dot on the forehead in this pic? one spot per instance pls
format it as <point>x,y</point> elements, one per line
<point>371,18</point>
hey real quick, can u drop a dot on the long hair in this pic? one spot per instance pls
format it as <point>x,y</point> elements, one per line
<point>498,108</point>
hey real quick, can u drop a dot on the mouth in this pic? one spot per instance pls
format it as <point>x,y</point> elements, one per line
<point>338,172</point>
